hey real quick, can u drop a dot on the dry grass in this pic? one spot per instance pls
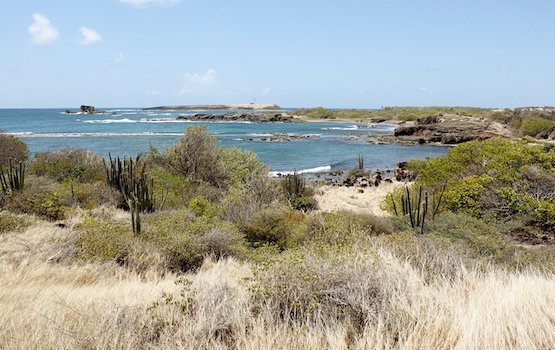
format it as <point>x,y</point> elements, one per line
<point>48,302</point>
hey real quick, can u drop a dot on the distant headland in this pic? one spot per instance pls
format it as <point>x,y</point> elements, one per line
<point>263,106</point>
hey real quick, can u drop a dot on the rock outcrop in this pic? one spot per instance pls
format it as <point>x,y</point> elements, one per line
<point>242,117</point>
<point>450,130</point>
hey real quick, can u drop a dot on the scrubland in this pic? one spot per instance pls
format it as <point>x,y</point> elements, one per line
<point>226,257</point>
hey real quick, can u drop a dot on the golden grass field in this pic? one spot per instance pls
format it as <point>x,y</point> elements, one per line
<point>50,302</point>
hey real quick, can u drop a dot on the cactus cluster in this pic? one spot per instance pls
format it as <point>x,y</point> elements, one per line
<point>12,179</point>
<point>417,208</point>
<point>294,185</point>
<point>134,184</point>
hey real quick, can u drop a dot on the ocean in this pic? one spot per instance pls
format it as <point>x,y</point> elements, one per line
<point>129,131</point>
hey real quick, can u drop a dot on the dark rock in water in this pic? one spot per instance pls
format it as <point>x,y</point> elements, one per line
<point>377,120</point>
<point>263,117</point>
<point>389,181</point>
<point>89,109</point>
<point>360,190</point>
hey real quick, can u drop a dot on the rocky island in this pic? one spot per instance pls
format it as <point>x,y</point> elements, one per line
<point>242,117</point>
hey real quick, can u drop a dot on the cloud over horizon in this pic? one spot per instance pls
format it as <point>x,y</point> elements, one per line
<point>149,3</point>
<point>196,83</point>
<point>90,36</point>
<point>42,31</point>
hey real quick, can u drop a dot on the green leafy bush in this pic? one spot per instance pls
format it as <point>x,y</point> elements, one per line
<point>200,206</point>
<point>475,237</point>
<point>195,155</point>
<point>496,178</point>
<point>12,149</point>
<point>47,204</point>
<point>69,164</point>
<point>537,127</point>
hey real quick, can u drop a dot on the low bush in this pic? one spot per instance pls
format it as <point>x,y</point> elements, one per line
<point>537,127</point>
<point>48,204</point>
<point>12,149</point>
<point>241,202</point>
<point>275,226</point>
<point>185,241</point>
<point>475,237</point>
<point>92,195</point>
<point>200,206</point>
<point>69,164</point>
<point>12,223</point>
<point>346,228</point>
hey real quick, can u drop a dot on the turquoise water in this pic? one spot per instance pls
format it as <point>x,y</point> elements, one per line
<point>129,131</point>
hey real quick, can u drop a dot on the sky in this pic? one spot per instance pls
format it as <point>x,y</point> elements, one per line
<point>295,53</point>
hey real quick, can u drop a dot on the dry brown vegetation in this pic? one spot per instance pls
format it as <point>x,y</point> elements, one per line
<point>380,296</point>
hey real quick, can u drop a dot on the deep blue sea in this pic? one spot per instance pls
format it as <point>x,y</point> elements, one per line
<point>129,131</point>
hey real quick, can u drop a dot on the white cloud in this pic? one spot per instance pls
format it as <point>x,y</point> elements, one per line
<point>267,91</point>
<point>196,83</point>
<point>504,66</point>
<point>42,31</point>
<point>90,36</point>
<point>148,3</point>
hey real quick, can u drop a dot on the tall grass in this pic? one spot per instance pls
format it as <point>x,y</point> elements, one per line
<point>364,299</point>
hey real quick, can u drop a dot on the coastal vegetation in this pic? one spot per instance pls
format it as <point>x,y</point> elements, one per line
<point>227,257</point>
<point>535,122</point>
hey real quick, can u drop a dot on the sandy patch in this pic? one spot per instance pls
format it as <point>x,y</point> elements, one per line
<point>331,198</point>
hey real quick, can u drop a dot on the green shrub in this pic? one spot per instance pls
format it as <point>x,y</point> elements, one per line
<point>257,193</point>
<point>201,207</point>
<point>12,148</point>
<point>281,227</point>
<point>47,204</point>
<point>473,236</point>
<point>12,223</point>
<point>537,127</point>
<point>239,165</point>
<point>69,164</point>
<point>103,241</point>
<point>546,215</point>
<point>195,155</point>
<point>185,241</point>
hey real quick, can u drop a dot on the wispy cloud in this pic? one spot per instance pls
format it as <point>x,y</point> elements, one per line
<point>42,31</point>
<point>120,58</point>
<point>149,3</point>
<point>90,36</point>
<point>504,66</point>
<point>196,83</point>
<point>267,90</point>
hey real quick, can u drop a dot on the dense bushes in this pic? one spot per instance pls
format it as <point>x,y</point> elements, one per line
<point>497,178</point>
<point>12,149</point>
<point>69,164</point>
<point>537,127</point>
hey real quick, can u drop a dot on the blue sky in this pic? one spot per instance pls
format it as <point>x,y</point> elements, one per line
<point>359,54</point>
